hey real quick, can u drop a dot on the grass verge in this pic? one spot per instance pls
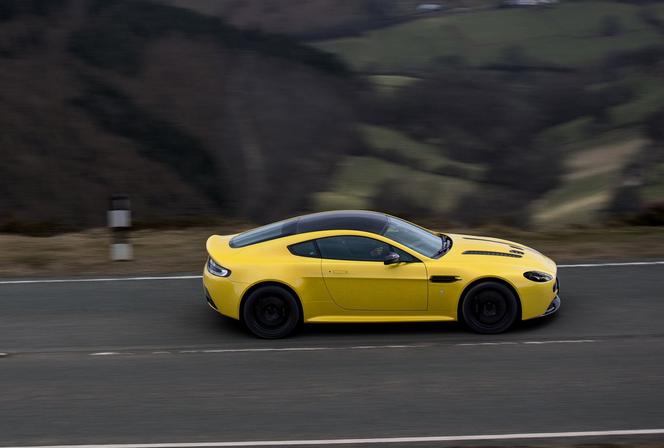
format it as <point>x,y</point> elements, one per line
<point>183,251</point>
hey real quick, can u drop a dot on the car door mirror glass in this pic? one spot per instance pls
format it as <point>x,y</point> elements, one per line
<point>392,258</point>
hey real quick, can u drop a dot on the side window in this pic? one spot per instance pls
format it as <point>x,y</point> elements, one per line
<point>404,256</point>
<point>356,248</point>
<point>305,249</point>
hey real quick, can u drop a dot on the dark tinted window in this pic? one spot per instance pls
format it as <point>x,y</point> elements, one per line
<point>346,220</point>
<point>355,248</point>
<point>306,249</point>
<point>404,256</point>
<point>265,233</point>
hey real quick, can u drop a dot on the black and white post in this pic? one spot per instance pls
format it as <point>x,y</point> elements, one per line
<point>119,221</point>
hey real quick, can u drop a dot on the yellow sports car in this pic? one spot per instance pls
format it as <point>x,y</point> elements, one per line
<point>362,266</point>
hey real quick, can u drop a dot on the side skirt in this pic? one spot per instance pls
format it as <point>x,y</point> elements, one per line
<point>376,319</point>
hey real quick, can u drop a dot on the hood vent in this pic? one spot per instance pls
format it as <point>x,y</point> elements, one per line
<point>487,252</point>
<point>474,238</point>
<point>516,250</point>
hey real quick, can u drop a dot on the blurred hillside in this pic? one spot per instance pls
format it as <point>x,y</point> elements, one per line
<point>189,116</point>
<point>258,109</point>
<point>317,19</point>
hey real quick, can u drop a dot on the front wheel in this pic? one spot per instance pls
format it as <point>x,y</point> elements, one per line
<point>271,312</point>
<point>489,308</point>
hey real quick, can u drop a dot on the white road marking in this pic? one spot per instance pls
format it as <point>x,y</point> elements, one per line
<point>566,341</point>
<point>368,441</point>
<point>98,280</point>
<point>601,265</point>
<point>260,350</point>
<point>327,348</point>
<point>582,341</point>
<point>199,277</point>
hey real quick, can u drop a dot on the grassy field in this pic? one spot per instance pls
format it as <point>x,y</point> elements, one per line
<point>359,180</point>
<point>569,34</point>
<point>418,168</point>
<point>592,172</point>
<point>386,142</point>
<point>649,97</point>
<point>591,176</point>
<point>390,84</point>
<point>183,251</point>
<point>653,190</point>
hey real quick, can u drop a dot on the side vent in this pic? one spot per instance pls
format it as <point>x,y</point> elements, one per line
<point>444,278</point>
<point>486,252</point>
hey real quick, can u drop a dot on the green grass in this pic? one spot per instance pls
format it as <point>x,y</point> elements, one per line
<point>653,189</point>
<point>581,186</point>
<point>390,84</point>
<point>567,133</point>
<point>421,156</point>
<point>649,98</point>
<point>567,34</point>
<point>591,177</point>
<point>359,179</point>
<point>576,201</point>
<point>658,10</point>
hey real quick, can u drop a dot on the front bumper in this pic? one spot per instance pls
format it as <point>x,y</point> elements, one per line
<point>555,306</point>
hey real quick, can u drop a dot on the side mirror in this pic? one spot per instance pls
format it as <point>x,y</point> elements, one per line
<point>392,258</point>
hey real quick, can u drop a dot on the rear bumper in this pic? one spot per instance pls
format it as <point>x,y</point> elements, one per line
<point>555,306</point>
<point>222,294</point>
<point>210,302</point>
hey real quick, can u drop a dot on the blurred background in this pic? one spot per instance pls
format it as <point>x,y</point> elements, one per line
<point>538,121</point>
<point>523,113</point>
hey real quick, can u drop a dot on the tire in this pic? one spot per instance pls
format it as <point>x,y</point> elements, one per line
<point>489,308</point>
<point>271,312</point>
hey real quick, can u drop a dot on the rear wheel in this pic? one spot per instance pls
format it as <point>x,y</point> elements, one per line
<point>489,308</point>
<point>271,312</point>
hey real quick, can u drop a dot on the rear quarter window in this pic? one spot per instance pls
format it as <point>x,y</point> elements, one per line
<point>265,233</point>
<point>305,249</point>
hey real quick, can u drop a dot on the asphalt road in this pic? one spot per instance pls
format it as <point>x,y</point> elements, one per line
<point>147,361</point>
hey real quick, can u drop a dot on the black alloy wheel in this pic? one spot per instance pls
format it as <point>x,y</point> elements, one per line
<point>489,307</point>
<point>271,312</point>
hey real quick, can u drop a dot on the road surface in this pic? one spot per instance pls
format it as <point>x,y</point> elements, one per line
<point>132,362</point>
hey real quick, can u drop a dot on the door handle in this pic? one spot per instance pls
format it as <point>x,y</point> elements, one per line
<point>339,271</point>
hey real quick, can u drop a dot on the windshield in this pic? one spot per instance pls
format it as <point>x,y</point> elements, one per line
<point>414,237</point>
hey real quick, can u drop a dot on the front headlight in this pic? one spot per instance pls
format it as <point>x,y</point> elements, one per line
<point>537,276</point>
<point>218,270</point>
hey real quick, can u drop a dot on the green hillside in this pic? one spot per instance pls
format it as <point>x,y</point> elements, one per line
<point>569,34</point>
<point>582,76</point>
<point>472,114</point>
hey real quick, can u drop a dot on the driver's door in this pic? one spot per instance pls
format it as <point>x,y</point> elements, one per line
<point>357,278</point>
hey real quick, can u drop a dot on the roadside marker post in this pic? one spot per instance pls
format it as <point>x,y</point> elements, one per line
<point>119,221</point>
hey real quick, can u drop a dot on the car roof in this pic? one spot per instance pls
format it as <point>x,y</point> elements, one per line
<point>366,221</point>
<point>362,220</point>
